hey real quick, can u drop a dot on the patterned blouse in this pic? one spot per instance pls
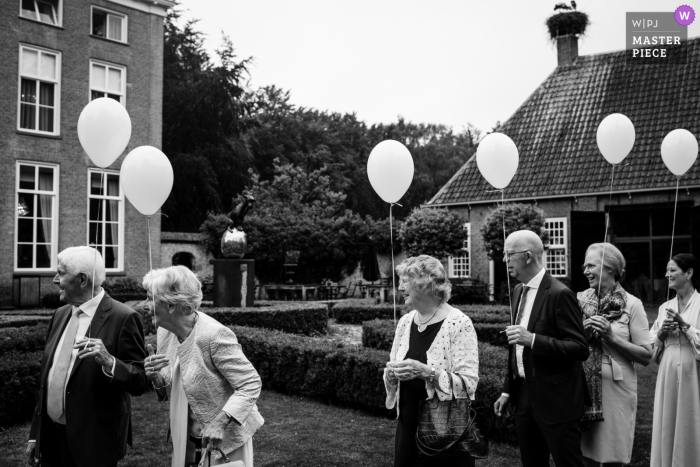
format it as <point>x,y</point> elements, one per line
<point>453,350</point>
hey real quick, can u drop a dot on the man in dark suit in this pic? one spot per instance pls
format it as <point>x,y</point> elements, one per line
<point>545,380</point>
<point>92,363</point>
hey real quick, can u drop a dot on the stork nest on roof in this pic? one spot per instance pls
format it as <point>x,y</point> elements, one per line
<point>570,22</point>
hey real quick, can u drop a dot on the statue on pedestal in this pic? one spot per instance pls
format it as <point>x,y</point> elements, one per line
<point>233,242</point>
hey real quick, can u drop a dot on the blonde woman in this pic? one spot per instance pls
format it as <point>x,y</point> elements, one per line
<point>201,369</point>
<point>431,342</point>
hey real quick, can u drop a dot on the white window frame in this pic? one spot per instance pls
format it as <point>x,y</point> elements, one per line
<point>54,213</point>
<point>125,22</point>
<point>467,247</point>
<point>559,247</point>
<point>57,91</point>
<point>59,13</point>
<point>108,65</point>
<point>90,241</point>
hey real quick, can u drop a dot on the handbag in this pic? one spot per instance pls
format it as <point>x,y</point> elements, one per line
<point>447,428</point>
<point>226,459</point>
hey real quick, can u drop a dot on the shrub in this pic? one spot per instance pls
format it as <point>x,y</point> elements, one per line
<point>19,378</point>
<point>26,339</point>
<point>516,217</point>
<point>295,318</point>
<point>51,300</point>
<point>350,376</point>
<point>356,312</point>
<point>435,232</point>
<point>125,289</point>
<point>21,321</point>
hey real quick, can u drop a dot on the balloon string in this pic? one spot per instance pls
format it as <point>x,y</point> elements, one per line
<point>150,265</point>
<point>393,273</point>
<point>97,230</point>
<point>605,238</point>
<point>503,218</point>
<point>673,231</point>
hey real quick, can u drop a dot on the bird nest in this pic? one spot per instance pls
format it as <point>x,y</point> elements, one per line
<point>571,22</point>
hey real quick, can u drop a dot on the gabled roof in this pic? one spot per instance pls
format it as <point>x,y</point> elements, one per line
<point>555,130</point>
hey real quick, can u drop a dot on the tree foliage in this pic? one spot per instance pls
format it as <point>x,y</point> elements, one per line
<point>435,232</point>
<point>516,216</point>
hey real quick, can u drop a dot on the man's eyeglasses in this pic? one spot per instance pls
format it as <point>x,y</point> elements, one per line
<point>507,256</point>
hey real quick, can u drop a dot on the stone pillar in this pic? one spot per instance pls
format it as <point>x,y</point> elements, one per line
<point>234,282</point>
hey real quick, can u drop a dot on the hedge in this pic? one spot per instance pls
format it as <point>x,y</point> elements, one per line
<point>356,312</point>
<point>22,321</point>
<point>19,378</point>
<point>295,318</point>
<point>26,339</point>
<point>350,375</point>
<point>379,334</point>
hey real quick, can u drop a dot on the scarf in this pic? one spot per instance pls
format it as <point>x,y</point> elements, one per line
<point>611,307</point>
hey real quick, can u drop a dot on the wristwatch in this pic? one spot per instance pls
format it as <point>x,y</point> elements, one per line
<point>432,374</point>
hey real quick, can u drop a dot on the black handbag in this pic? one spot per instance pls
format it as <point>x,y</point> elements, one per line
<point>448,428</point>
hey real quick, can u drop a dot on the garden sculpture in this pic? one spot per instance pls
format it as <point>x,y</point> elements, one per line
<point>233,242</point>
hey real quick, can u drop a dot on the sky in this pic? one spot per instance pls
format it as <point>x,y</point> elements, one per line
<point>455,62</point>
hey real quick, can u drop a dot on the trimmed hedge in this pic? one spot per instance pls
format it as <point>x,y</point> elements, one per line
<point>19,378</point>
<point>26,339</point>
<point>357,312</point>
<point>295,318</point>
<point>22,321</point>
<point>350,375</point>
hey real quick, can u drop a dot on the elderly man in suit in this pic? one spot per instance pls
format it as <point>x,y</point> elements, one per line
<point>544,380</point>
<point>92,363</point>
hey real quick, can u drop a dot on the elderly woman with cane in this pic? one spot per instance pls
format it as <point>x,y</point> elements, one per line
<point>201,369</point>
<point>434,352</point>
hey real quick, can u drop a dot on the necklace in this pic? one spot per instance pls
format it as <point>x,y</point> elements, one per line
<point>422,325</point>
<point>194,321</point>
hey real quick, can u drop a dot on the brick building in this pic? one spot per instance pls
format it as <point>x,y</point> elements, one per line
<point>57,55</point>
<point>562,171</point>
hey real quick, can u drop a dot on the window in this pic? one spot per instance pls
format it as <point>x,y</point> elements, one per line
<point>36,196</point>
<point>108,24</point>
<point>39,90</point>
<point>46,11</point>
<point>460,264</point>
<point>107,81</point>
<point>106,218</point>
<point>556,262</point>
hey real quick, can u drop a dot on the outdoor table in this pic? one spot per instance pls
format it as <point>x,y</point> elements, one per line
<point>304,288</point>
<point>382,288</point>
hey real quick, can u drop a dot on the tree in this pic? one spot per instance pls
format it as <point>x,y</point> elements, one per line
<point>516,217</point>
<point>205,116</point>
<point>435,232</point>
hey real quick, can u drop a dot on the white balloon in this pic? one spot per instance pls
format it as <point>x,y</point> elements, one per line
<point>104,130</point>
<point>679,150</point>
<point>615,137</point>
<point>146,178</point>
<point>390,170</point>
<point>497,159</point>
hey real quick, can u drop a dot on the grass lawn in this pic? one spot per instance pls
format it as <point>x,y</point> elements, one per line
<point>297,432</point>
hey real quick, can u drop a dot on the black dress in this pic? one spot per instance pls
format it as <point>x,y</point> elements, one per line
<point>412,393</point>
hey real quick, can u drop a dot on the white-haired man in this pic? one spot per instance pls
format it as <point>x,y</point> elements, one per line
<point>92,364</point>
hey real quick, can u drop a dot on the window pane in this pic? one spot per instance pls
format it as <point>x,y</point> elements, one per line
<point>28,9</point>
<point>25,230</point>
<point>96,181</point>
<point>630,223</point>
<point>30,61</point>
<point>112,211</point>
<point>43,230</point>
<point>28,91</point>
<point>46,12</point>
<point>98,77</point>
<point>25,205</point>
<point>111,233</point>
<point>112,185</point>
<point>44,206</point>
<point>115,97</point>
<point>115,80</point>
<point>95,229</point>
<point>662,221</point>
<point>110,257</point>
<point>26,177</point>
<point>48,66</point>
<point>99,20</point>
<point>96,95</point>
<point>43,256</point>
<point>94,206</point>
<point>27,116</point>
<point>115,27</point>
<point>45,179</point>
<point>25,256</point>
<point>46,119</point>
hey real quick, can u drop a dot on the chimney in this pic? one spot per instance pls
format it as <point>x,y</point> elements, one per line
<point>567,49</point>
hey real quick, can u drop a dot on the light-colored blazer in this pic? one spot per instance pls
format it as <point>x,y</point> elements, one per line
<point>453,350</point>
<point>216,376</point>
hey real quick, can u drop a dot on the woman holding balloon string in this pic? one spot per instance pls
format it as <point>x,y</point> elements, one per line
<point>618,334</point>
<point>675,338</point>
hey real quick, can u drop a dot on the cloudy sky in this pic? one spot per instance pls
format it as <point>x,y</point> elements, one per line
<point>440,61</point>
